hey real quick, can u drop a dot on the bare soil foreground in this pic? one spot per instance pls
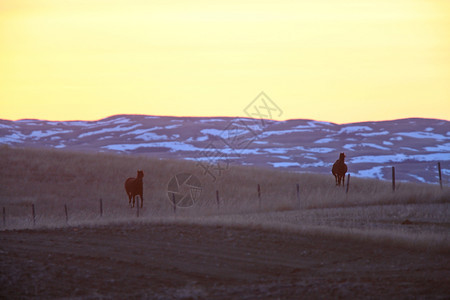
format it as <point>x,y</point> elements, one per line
<point>176,261</point>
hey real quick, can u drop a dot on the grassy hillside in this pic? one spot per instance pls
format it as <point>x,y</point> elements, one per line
<point>50,179</point>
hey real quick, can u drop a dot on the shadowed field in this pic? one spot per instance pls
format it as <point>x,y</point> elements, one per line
<point>176,261</point>
<point>324,243</point>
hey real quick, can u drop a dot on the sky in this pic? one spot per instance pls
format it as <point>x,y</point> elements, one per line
<point>339,61</point>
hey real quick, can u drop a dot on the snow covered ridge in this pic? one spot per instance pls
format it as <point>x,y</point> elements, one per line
<point>413,146</point>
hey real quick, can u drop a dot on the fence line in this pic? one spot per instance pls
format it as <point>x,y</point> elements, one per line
<point>67,214</point>
<point>218,201</point>
<point>259,195</point>
<point>174,203</point>
<point>348,183</point>
<point>33,214</point>
<point>393,179</point>
<point>137,208</point>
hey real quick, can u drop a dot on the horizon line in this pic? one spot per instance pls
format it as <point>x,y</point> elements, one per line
<point>218,116</point>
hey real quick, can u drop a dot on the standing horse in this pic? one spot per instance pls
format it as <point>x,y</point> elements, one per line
<point>134,187</point>
<point>339,169</point>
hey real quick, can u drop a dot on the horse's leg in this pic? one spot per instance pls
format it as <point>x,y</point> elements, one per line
<point>134,196</point>
<point>343,180</point>
<point>142,200</point>
<point>129,198</point>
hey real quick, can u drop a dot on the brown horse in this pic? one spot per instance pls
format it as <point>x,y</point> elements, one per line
<point>339,169</point>
<point>134,187</point>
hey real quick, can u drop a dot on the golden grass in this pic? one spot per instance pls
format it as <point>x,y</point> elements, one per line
<point>50,179</point>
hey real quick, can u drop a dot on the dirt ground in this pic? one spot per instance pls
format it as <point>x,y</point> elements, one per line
<point>137,261</point>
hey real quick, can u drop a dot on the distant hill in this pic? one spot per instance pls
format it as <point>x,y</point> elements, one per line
<point>413,146</point>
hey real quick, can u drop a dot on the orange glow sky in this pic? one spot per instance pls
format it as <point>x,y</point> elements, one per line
<point>340,61</point>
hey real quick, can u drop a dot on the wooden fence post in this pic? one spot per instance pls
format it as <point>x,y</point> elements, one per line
<point>137,209</point>
<point>174,203</point>
<point>101,207</point>
<point>393,179</point>
<point>440,174</point>
<point>217,199</point>
<point>298,193</point>
<point>67,215</point>
<point>259,195</point>
<point>348,183</point>
<point>33,212</point>
<point>4,216</point>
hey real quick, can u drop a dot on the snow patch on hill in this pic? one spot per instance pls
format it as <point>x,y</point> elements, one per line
<point>105,130</point>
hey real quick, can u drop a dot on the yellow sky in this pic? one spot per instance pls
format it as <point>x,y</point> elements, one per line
<point>340,61</point>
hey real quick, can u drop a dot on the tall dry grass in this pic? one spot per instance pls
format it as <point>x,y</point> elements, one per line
<point>50,179</point>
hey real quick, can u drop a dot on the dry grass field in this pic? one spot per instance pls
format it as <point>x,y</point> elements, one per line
<point>369,243</point>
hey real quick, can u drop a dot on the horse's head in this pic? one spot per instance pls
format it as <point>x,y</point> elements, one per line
<point>342,156</point>
<point>140,174</point>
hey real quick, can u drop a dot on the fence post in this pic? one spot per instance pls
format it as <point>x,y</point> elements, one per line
<point>174,203</point>
<point>137,209</point>
<point>440,174</point>
<point>348,183</point>
<point>4,216</point>
<point>33,212</point>
<point>67,215</point>
<point>217,199</point>
<point>101,207</point>
<point>298,193</point>
<point>259,195</point>
<point>393,179</point>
